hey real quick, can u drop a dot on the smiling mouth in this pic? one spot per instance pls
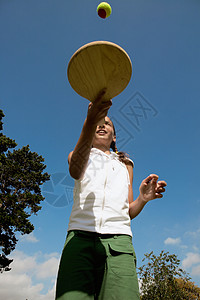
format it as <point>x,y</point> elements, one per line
<point>101,131</point>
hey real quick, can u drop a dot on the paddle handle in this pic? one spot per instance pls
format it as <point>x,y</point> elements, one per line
<point>104,98</point>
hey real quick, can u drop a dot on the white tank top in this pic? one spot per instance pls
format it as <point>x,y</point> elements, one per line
<point>101,196</point>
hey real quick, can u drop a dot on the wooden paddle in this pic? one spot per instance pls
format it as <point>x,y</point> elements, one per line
<point>99,65</point>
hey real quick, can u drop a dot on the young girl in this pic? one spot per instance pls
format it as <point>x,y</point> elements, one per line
<point>98,259</point>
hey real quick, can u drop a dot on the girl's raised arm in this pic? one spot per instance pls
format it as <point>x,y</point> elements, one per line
<point>78,158</point>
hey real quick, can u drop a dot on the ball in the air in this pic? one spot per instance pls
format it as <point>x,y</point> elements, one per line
<point>104,10</point>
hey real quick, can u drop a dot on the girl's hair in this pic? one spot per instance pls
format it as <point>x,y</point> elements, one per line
<point>123,157</point>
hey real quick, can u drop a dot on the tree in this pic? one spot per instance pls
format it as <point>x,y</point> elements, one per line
<point>191,291</point>
<point>21,175</point>
<point>162,278</point>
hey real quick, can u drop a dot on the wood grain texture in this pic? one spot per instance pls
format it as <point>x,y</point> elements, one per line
<point>99,65</point>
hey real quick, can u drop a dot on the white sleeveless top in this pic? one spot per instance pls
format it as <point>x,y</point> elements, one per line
<point>101,196</point>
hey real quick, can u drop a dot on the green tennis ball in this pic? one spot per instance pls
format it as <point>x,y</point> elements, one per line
<point>104,10</point>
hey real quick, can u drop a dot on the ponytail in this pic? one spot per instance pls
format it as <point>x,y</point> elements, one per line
<point>123,157</point>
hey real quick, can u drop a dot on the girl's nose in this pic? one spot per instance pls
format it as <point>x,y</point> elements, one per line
<point>101,126</point>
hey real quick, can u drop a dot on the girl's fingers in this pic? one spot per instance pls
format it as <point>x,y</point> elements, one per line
<point>152,177</point>
<point>105,104</point>
<point>100,96</point>
<point>147,180</point>
<point>160,190</point>
<point>159,195</point>
<point>162,183</point>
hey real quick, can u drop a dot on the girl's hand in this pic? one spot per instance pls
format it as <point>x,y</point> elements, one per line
<point>151,189</point>
<point>98,109</point>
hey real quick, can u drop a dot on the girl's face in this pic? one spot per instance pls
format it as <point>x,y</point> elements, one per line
<point>104,135</point>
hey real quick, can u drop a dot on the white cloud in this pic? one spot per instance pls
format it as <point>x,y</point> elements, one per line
<point>184,247</point>
<point>196,271</point>
<point>195,248</point>
<point>30,238</point>
<point>48,268</point>
<point>29,277</point>
<point>172,241</point>
<point>191,259</point>
<point>187,246</point>
<point>193,234</point>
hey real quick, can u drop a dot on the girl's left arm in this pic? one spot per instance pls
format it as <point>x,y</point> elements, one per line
<point>150,189</point>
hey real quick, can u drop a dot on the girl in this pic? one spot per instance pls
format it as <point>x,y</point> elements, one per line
<point>98,259</point>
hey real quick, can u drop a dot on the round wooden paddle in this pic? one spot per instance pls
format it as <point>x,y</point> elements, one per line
<point>98,65</point>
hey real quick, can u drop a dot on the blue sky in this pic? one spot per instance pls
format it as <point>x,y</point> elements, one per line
<point>41,109</point>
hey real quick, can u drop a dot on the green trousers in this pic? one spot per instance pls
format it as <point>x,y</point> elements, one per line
<point>95,266</point>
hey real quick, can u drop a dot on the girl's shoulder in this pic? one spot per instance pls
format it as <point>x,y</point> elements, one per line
<point>69,156</point>
<point>123,157</point>
<point>129,161</point>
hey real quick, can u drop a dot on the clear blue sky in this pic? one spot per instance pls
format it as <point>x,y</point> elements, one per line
<point>37,39</point>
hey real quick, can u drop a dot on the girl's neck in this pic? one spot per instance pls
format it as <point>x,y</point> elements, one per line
<point>103,148</point>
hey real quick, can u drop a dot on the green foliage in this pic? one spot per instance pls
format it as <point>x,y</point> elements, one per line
<point>21,175</point>
<point>161,277</point>
<point>191,291</point>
